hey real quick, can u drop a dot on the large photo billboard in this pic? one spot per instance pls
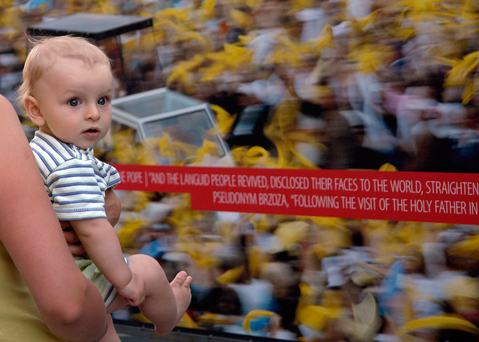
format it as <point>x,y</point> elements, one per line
<point>312,164</point>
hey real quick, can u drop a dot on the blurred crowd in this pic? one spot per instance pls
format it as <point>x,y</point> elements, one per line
<point>338,84</point>
<point>315,278</point>
<point>334,84</point>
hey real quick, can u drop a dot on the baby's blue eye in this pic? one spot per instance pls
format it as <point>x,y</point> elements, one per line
<point>73,102</point>
<point>102,101</point>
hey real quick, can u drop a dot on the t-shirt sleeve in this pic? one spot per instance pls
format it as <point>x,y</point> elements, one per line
<point>112,176</point>
<point>76,191</point>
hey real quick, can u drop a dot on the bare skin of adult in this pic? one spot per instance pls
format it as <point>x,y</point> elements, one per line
<point>70,305</point>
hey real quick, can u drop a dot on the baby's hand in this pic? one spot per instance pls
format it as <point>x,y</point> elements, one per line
<point>134,292</point>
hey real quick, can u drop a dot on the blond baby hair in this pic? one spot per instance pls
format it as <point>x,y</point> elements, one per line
<point>47,50</point>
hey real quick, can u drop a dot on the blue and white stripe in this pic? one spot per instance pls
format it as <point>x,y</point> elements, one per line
<point>75,180</point>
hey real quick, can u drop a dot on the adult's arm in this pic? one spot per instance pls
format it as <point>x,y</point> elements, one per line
<point>112,207</point>
<point>70,305</point>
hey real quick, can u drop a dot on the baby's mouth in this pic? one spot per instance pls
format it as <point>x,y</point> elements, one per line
<point>92,132</point>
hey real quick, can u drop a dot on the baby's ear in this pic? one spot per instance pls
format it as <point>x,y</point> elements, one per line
<point>33,110</point>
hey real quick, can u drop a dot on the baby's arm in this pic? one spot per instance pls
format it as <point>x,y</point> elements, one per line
<point>101,243</point>
<point>112,211</point>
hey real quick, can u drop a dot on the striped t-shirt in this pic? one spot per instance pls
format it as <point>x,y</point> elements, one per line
<point>75,180</point>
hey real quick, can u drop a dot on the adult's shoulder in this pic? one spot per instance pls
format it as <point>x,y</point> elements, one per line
<point>6,108</point>
<point>3,99</point>
<point>10,127</point>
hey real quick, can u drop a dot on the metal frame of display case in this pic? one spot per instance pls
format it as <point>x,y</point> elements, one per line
<point>131,331</point>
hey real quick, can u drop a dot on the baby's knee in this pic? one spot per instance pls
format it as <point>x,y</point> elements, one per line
<point>143,259</point>
<point>146,266</point>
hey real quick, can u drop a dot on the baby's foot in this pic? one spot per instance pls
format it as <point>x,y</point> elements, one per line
<point>182,291</point>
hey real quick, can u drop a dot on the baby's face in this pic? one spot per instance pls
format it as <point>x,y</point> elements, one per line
<point>75,101</point>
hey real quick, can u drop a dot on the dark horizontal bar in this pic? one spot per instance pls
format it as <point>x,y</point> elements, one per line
<point>92,26</point>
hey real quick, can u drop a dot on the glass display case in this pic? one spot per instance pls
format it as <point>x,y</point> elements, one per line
<point>175,123</point>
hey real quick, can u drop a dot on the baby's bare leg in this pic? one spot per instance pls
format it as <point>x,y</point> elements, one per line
<point>182,291</point>
<point>160,305</point>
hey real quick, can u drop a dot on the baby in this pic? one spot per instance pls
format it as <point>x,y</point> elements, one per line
<point>67,92</point>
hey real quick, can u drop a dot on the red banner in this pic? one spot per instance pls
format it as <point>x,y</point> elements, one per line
<point>398,196</point>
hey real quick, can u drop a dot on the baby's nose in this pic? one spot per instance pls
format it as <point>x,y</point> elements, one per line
<point>92,113</point>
